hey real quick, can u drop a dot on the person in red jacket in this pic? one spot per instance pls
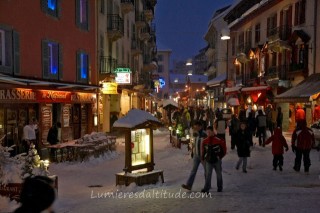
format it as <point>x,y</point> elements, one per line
<point>300,115</point>
<point>316,113</point>
<point>302,141</point>
<point>213,161</point>
<point>278,142</point>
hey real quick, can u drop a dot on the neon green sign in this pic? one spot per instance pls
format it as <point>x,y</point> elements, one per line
<point>122,69</point>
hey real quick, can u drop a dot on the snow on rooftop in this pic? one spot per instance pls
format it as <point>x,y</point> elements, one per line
<point>134,118</point>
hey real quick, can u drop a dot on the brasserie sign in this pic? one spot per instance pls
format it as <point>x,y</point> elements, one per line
<point>45,96</point>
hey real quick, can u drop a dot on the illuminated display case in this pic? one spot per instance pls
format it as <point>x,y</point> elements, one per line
<point>140,145</point>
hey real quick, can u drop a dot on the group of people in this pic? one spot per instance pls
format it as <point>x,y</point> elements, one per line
<point>242,131</point>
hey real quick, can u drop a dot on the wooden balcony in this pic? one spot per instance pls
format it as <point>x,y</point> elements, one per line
<point>115,27</point>
<point>127,6</point>
<point>140,20</point>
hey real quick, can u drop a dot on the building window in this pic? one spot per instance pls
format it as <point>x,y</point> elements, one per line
<point>257,33</point>
<point>51,59</point>
<point>82,9</point>
<point>51,7</point>
<point>9,51</point>
<point>160,68</point>
<point>300,12</point>
<point>272,25</point>
<point>2,48</point>
<point>82,67</point>
<point>160,57</point>
<point>102,8</point>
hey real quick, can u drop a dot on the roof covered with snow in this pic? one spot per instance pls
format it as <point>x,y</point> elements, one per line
<point>136,117</point>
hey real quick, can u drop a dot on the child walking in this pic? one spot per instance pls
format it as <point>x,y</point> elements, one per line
<point>243,144</point>
<point>278,142</point>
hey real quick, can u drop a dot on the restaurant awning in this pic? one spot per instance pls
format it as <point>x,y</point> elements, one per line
<point>46,84</point>
<point>233,102</point>
<point>305,91</point>
<point>232,90</point>
<point>216,81</point>
<point>254,89</point>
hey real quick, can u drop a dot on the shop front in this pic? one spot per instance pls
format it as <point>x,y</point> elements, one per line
<point>75,111</point>
<point>305,95</point>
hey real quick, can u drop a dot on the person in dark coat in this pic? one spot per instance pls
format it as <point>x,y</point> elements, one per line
<point>233,130</point>
<point>278,142</point>
<point>243,144</point>
<point>37,195</point>
<point>52,138</point>
<point>302,141</point>
<point>261,120</point>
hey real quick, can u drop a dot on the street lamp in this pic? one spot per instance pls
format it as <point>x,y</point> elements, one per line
<point>225,35</point>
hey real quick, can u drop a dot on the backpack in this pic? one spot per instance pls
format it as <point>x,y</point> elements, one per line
<point>212,152</point>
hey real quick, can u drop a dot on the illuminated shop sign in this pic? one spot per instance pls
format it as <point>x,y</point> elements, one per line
<point>123,78</point>
<point>109,88</point>
<point>48,96</point>
<point>17,94</point>
<point>162,82</point>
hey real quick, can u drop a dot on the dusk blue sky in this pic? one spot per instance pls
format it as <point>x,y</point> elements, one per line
<point>181,25</point>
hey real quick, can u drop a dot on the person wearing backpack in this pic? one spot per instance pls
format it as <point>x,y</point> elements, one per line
<point>243,144</point>
<point>212,151</point>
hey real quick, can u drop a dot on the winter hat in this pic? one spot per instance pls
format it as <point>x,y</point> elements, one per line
<point>37,193</point>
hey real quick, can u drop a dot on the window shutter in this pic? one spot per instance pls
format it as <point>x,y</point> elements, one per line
<point>78,13</point>
<point>296,14</point>
<point>268,27</point>
<point>302,12</point>
<point>86,24</point>
<point>45,62</point>
<point>44,5</point>
<point>60,63</point>
<point>16,52</point>
<point>59,8</point>
<point>78,61</point>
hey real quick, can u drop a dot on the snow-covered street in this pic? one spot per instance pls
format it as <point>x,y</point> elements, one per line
<point>83,186</point>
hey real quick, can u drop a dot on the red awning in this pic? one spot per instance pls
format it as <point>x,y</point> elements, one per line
<point>232,90</point>
<point>249,90</point>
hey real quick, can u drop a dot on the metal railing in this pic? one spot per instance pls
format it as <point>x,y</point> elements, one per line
<point>115,23</point>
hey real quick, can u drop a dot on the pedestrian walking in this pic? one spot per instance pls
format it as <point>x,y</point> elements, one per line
<point>278,143</point>
<point>195,153</point>
<point>279,118</point>
<point>300,115</point>
<point>213,150</point>
<point>243,144</point>
<point>233,129</point>
<point>220,127</point>
<point>302,142</point>
<point>261,127</point>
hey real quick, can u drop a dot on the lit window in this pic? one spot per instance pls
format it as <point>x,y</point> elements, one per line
<point>82,67</point>
<point>53,52</point>
<point>82,14</point>
<point>50,59</point>
<point>51,7</point>
<point>52,4</point>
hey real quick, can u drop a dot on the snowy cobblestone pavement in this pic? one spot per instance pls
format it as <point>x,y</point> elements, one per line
<point>86,187</point>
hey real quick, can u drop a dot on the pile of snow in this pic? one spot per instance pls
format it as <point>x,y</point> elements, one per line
<point>97,137</point>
